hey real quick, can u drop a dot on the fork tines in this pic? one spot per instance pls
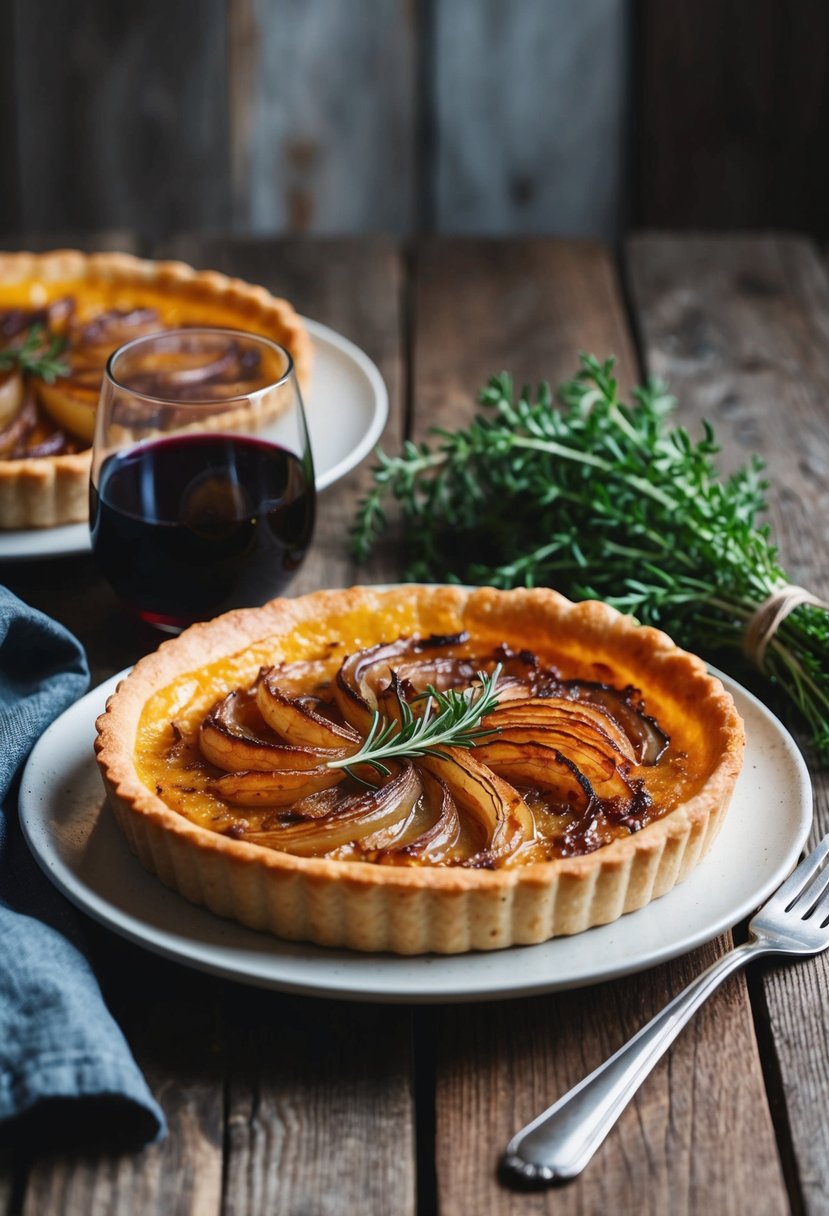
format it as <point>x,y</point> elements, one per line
<point>806,884</point>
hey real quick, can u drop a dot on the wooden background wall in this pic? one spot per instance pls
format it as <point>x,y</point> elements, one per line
<point>402,116</point>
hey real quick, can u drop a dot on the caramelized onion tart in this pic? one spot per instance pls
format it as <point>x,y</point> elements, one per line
<point>92,304</point>
<point>596,782</point>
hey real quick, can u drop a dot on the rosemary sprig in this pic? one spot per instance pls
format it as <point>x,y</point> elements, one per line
<point>603,499</point>
<point>37,355</point>
<point>449,719</point>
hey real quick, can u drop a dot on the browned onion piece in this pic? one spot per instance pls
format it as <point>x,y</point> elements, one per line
<point>511,690</point>
<point>306,680</point>
<point>550,766</point>
<point>386,839</point>
<point>438,842</point>
<point>50,445</point>
<point>318,805</point>
<point>204,391</point>
<point>548,712</point>
<point>59,314</point>
<point>84,379</point>
<point>297,722</point>
<point>92,342</point>
<point>417,662</point>
<point>224,365</point>
<point>114,327</point>
<point>648,740</point>
<point>441,671</point>
<point>498,808</point>
<point>355,695</point>
<point>15,321</point>
<point>19,426</point>
<point>186,375</point>
<point>11,396</point>
<point>281,788</point>
<point>227,740</point>
<point>353,819</point>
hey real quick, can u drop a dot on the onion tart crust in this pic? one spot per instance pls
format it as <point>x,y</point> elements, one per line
<point>78,308</point>
<point>259,765</point>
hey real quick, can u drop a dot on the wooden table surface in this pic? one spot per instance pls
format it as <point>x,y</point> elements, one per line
<point>281,1104</point>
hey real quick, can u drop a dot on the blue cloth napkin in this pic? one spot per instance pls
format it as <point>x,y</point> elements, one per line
<point>63,1061</point>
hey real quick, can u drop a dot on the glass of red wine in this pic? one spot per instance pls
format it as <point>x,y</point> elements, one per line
<point>202,491</point>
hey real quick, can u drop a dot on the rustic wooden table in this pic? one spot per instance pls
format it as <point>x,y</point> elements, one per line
<point>295,1105</point>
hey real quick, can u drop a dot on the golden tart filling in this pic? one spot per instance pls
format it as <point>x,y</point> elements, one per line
<point>286,766</point>
<point>66,312</point>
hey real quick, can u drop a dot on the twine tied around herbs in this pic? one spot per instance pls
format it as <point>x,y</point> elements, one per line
<point>770,615</point>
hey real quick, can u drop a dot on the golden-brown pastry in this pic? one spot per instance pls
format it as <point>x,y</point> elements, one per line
<point>611,759</point>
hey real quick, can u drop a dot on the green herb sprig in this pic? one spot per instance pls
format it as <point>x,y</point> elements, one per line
<point>602,499</point>
<point>449,719</point>
<point>38,355</point>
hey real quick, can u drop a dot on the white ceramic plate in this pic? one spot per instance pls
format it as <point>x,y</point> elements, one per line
<point>347,409</point>
<point>77,843</point>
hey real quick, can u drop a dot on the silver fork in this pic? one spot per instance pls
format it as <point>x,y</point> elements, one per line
<point>557,1145</point>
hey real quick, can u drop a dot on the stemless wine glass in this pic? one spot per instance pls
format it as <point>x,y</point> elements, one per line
<point>202,492</point>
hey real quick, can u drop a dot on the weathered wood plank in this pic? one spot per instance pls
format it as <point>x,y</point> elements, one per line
<point>123,240</point>
<point>729,111</point>
<point>740,328</point>
<point>484,306</point>
<point>320,1114</point>
<point>121,121</point>
<point>9,151</point>
<point>698,1137</point>
<point>322,111</point>
<point>529,114</point>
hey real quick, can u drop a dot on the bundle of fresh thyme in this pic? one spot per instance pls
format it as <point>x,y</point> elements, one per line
<point>600,499</point>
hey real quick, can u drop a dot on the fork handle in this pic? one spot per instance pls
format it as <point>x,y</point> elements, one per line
<point>559,1143</point>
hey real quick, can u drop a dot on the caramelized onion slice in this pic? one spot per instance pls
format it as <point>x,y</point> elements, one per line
<point>439,841</point>
<point>355,696</point>
<point>648,740</point>
<point>353,819</point>
<point>417,662</point>
<point>111,329</point>
<point>282,788</point>
<point>550,767</point>
<point>73,399</point>
<point>228,739</point>
<point>305,679</point>
<point>590,721</point>
<point>297,722</point>
<point>533,742</point>
<point>52,444</point>
<point>15,435</point>
<point>11,396</point>
<point>498,808</point>
<point>71,404</point>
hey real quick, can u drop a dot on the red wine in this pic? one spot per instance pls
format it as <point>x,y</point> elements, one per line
<point>189,526</point>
